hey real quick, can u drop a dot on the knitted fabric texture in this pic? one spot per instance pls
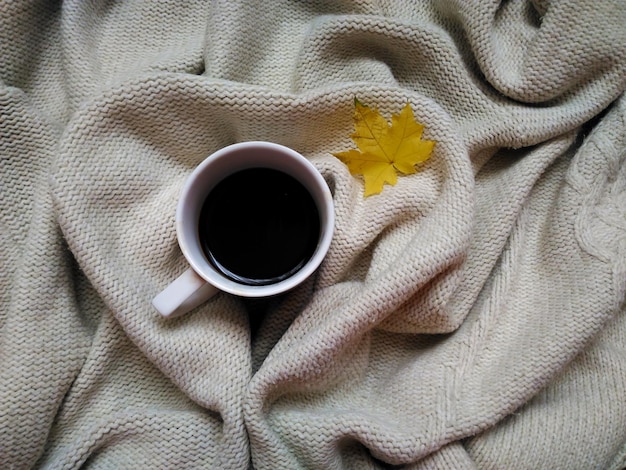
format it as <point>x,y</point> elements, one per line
<point>471,316</point>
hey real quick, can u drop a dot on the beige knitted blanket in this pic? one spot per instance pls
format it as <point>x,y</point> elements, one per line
<point>471,316</point>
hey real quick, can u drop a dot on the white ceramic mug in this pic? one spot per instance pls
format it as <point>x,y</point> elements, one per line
<point>203,280</point>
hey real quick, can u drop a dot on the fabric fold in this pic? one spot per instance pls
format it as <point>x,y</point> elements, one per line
<point>470,316</point>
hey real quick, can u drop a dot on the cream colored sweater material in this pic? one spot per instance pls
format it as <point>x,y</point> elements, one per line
<point>472,316</point>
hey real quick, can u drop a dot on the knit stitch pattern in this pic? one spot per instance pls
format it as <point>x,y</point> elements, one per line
<point>471,316</point>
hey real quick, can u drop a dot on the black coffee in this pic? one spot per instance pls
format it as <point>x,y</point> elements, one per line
<point>259,226</point>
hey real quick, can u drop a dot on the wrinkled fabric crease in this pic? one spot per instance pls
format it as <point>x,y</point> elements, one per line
<point>471,316</point>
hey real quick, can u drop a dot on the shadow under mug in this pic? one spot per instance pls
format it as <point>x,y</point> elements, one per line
<point>203,279</point>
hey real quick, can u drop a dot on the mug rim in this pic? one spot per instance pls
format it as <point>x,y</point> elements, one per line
<point>191,249</point>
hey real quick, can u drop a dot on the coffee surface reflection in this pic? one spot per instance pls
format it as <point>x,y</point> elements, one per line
<point>259,226</point>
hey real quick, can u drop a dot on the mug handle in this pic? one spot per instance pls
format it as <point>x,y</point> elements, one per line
<point>186,292</point>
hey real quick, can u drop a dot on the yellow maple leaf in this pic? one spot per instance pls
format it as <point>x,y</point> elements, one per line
<point>384,149</point>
